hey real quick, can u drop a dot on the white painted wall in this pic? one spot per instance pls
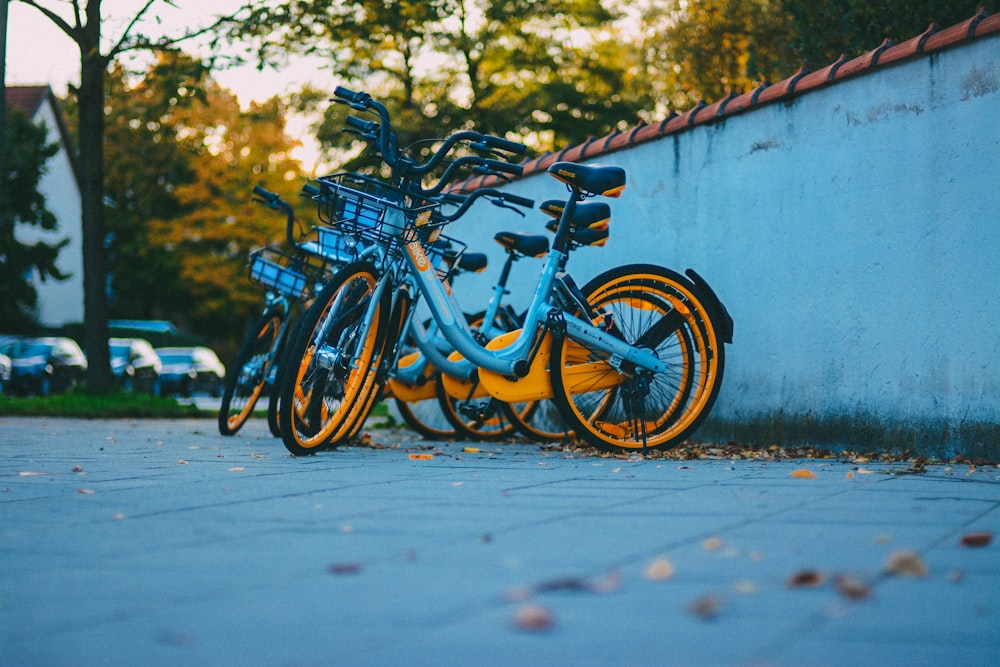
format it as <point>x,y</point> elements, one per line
<point>853,233</point>
<point>59,302</point>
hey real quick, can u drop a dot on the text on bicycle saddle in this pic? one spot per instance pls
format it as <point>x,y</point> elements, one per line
<point>597,179</point>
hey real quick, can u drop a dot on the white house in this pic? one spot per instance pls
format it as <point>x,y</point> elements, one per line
<point>59,302</point>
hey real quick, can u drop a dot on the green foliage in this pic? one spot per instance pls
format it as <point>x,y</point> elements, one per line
<point>26,153</point>
<point>115,405</point>
<point>824,29</point>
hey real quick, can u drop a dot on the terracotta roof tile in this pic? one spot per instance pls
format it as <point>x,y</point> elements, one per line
<point>910,47</point>
<point>862,62</point>
<point>820,77</point>
<point>987,25</point>
<point>931,40</point>
<point>782,88</point>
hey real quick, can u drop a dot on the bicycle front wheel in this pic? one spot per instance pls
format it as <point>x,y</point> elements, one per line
<point>330,370</point>
<point>249,374</point>
<point>613,405</point>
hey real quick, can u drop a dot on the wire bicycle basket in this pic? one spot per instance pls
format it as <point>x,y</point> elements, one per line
<point>374,211</point>
<point>295,276</point>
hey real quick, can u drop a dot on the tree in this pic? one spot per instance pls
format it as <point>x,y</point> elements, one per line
<point>25,154</point>
<point>181,158</point>
<point>550,72</point>
<point>84,28</point>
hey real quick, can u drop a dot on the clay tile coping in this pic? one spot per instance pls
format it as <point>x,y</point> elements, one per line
<point>820,77</point>
<point>862,62</point>
<point>911,47</point>
<point>987,25</point>
<point>713,110</point>
<point>782,88</point>
<point>741,102</point>
<point>954,34</point>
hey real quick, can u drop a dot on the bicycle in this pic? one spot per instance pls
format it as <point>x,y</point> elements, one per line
<point>634,359</point>
<point>291,282</point>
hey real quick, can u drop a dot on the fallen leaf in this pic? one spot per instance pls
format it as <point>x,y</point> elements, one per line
<point>118,517</point>
<point>471,450</point>
<point>237,469</point>
<point>421,457</point>
<point>802,473</point>
<point>85,492</point>
<point>852,587</point>
<point>806,579</point>
<point>849,475</point>
<point>660,569</point>
<point>712,543</point>
<point>77,468</point>
<point>182,462</point>
<point>746,587</point>
<point>982,539</point>
<point>533,618</point>
<point>343,568</point>
<point>28,473</point>
<point>707,607</point>
<point>905,564</point>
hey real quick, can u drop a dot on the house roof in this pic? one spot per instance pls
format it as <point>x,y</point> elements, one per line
<point>931,41</point>
<point>30,99</point>
<point>26,98</point>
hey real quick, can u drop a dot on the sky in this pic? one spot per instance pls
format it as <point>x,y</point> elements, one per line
<point>39,53</point>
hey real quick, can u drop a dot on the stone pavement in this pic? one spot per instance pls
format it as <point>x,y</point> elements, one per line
<point>163,543</point>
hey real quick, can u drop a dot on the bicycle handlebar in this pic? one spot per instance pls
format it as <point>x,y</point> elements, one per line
<point>275,202</point>
<point>405,168</point>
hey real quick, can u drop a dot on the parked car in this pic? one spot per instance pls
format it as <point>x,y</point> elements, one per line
<point>5,367</point>
<point>135,365</point>
<point>187,370</point>
<point>46,365</point>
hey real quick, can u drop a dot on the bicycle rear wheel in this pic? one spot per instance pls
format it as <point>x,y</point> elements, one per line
<point>246,381</point>
<point>323,393</point>
<point>628,407</point>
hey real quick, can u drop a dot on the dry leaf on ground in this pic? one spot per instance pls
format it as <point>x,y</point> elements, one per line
<point>806,579</point>
<point>707,607</point>
<point>660,569</point>
<point>906,564</point>
<point>982,539</point>
<point>534,618</point>
<point>802,473</point>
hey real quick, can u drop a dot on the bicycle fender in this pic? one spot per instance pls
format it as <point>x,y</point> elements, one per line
<point>534,386</point>
<point>713,301</point>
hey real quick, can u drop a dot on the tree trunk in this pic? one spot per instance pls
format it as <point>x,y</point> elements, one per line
<point>91,110</point>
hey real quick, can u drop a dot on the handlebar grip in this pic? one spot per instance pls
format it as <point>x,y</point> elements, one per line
<point>518,201</point>
<point>350,95</point>
<point>505,144</point>
<point>261,192</point>
<point>364,126</point>
<point>505,167</point>
<point>310,190</point>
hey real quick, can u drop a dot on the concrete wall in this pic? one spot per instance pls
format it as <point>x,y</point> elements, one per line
<point>853,233</point>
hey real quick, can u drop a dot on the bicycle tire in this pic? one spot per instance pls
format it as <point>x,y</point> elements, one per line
<point>319,391</point>
<point>274,400</point>
<point>483,418</point>
<point>634,409</point>
<point>540,420</point>
<point>249,374</point>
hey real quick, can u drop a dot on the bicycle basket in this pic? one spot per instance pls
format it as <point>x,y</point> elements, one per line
<point>294,276</point>
<point>372,210</point>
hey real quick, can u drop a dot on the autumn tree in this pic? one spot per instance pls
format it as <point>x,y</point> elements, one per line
<point>181,158</point>
<point>83,25</point>
<point>25,153</point>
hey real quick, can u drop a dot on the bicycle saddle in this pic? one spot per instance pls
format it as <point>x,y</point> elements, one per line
<point>472,261</point>
<point>592,214</point>
<point>526,244</point>
<point>596,179</point>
